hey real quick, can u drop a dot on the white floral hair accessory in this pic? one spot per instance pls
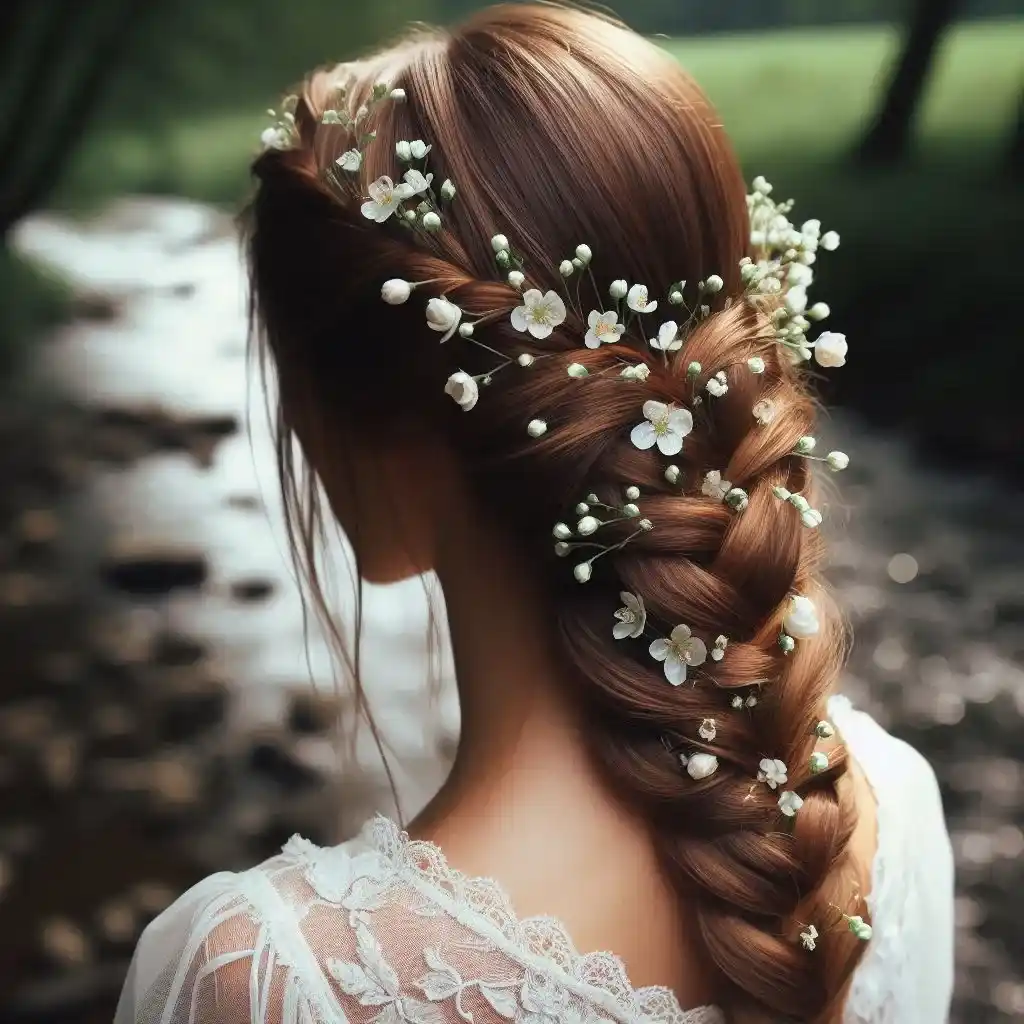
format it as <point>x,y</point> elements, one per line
<point>680,651</point>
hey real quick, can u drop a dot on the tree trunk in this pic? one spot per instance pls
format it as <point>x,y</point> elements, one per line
<point>52,114</point>
<point>886,140</point>
<point>1015,154</point>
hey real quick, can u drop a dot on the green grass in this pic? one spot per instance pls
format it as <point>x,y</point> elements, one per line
<point>32,299</point>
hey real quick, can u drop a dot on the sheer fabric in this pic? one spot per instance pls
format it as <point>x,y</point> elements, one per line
<point>380,930</point>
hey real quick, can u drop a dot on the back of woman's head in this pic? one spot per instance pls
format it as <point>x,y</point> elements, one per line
<point>559,128</point>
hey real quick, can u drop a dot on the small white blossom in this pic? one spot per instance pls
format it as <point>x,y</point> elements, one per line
<point>772,771</point>
<point>275,138</point>
<point>431,221</point>
<point>463,389</point>
<point>385,198</point>
<point>351,160</point>
<point>397,95</point>
<point>765,411</point>
<point>443,316</point>
<point>806,444</point>
<point>830,240</point>
<point>737,701</point>
<point>818,762</point>
<point>664,426</point>
<point>718,651</point>
<point>790,803</point>
<point>672,474</point>
<point>417,182</point>
<point>584,253</point>
<point>680,651</point>
<point>447,189</point>
<point>395,291</point>
<point>707,729</point>
<point>714,284</point>
<point>762,185</point>
<point>403,151</point>
<point>819,311</point>
<point>830,349</point>
<point>536,428</point>
<point>419,149</point>
<point>809,937</point>
<point>465,330</point>
<point>668,339</point>
<point>516,278</point>
<point>618,289</point>
<point>801,621</point>
<point>602,328</point>
<point>582,571</point>
<point>637,299</point>
<point>714,486</point>
<point>737,498</point>
<point>700,766</point>
<point>632,492</point>
<point>718,385</point>
<point>837,461</point>
<point>565,268</point>
<point>675,297</point>
<point>796,300</point>
<point>540,313</point>
<point>525,359</point>
<point>755,364</point>
<point>859,927</point>
<point>631,617</point>
<point>640,372</point>
<point>577,370</point>
<point>499,243</point>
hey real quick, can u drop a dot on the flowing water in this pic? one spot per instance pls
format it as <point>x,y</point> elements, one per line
<point>158,722</point>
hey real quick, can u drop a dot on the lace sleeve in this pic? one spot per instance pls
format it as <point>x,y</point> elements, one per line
<point>364,935</point>
<point>907,972</point>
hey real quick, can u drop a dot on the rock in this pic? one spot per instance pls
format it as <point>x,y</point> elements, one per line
<point>251,590</point>
<point>146,569</point>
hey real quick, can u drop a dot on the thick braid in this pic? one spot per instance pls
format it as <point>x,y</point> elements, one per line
<point>554,424</point>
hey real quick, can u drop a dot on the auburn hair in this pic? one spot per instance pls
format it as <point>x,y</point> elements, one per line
<point>560,127</point>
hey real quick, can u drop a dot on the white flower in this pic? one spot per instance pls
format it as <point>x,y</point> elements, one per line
<point>808,937</point>
<point>737,701</point>
<point>830,240</point>
<point>639,372</point>
<point>350,160</point>
<point>582,571</point>
<point>718,651</point>
<point>799,274</point>
<point>465,330</point>
<point>385,199</point>
<point>565,268</point>
<point>536,428</point>
<point>618,289</point>
<point>830,349</point>
<point>632,492</point>
<point>431,221</point>
<point>772,771</point>
<point>516,278</point>
<point>819,311</point>
<point>632,617</point>
<point>762,185</point>
<point>672,474</point>
<point>276,138</point>
<point>577,370</point>
<point>818,762</point>
<point>764,411</point>
<point>796,300</point>
<point>463,389</point>
<point>801,621</point>
<point>664,425</point>
<point>755,364</point>
<point>859,927</point>
<point>678,652</point>
<point>790,803</point>
<point>397,95</point>
<point>418,182</point>
<point>668,339</point>
<point>714,284</point>
<point>603,327</point>
<point>443,316</point>
<point>403,151</point>
<point>718,385</point>
<point>395,291</point>
<point>707,729</point>
<point>837,461</point>
<point>700,766</point>
<point>499,243</point>
<point>714,486</point>
<point>540,313</point>
<point>525,359</point>
<point>737,498</point>
<point>584,253</point>
<point>637,299</point>
<point>447,189</point>
<point>419,149</point>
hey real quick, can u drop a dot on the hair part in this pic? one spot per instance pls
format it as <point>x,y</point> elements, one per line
<point>561,127</point>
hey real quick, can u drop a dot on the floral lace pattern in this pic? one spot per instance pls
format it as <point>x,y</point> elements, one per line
<point>381,930</point>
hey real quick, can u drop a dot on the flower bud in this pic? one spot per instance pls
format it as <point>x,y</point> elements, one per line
<point>565,268</point>
<point>819,762</point>
<point>631,510</point>
<point>755,364</point>
<point>672,474</point>
<point>466,330</point>
<point>714,284</point>
<point>737,498</point>
<point>584,253</point>
<point>618,289</point>
<point>799,502</point>
<point>693,370</point>
<point>632,493</point>
<point>819,311</point>
<point>577,263</point>
<point>395,291</point>
<point>582,508</point>
<point>403,151</point>
<point>830,240</point>
<point>787,643</point>
<point>811,518</point>
<point>646,525</point>
<point>675,297</point>
<point>431,221</point>
<point>502,258</point>
<point>516,278</point>
<point>561,531</point>
<point>536,428</point>
<point>824,730</point>
<point>525,359</point>
<point>448,190</point>
<point>582,572</point>
<point>781,493</point>
<point>837,461</point>
<point>419,149</point>
<point>587,525</point>
<point>805,445</point>
<point>562,549</point>
<point>577,370</point>
<point>499,243</point>
<point>397,95</point>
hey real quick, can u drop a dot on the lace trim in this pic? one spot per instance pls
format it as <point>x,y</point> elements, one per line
<point>540,942</point>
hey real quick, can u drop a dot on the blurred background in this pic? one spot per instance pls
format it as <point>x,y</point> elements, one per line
<point>157,715</point>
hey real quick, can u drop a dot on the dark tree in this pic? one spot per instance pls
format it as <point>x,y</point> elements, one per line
<point>1015,154</point>
<point>886,140</point>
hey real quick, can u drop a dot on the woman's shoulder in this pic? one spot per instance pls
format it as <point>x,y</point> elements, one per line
<point>381,928</point>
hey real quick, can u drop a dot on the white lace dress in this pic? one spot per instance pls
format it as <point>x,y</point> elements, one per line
<point>382,930</point>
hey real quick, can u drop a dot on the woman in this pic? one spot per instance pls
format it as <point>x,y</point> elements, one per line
<point>502,276</point>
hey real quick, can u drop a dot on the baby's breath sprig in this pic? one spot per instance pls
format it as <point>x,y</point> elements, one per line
<point>800,623</point>
<point>588,524</point>
<point>836,461</point>
<point>810,517</point>
<point>282,133</point>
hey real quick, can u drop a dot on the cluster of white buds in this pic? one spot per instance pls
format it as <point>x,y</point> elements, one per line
<point>282,132</point>
<point>800,622</point>
<point>784,255</point>
<point>836,461</point>
<point>810,517</point>
<point>588,524</point>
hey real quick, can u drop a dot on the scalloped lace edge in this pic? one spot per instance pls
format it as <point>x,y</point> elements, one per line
<point>601,971</point>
